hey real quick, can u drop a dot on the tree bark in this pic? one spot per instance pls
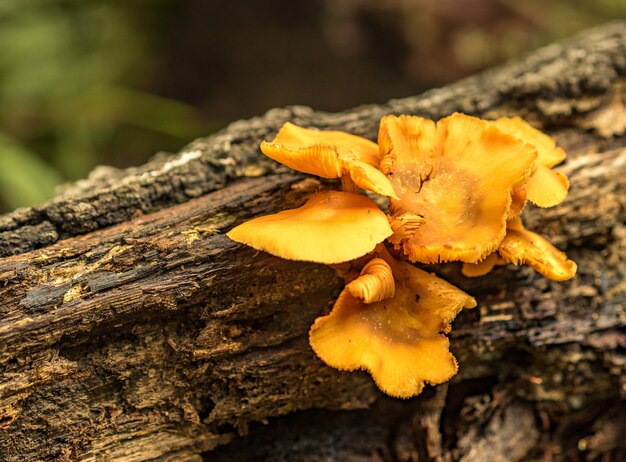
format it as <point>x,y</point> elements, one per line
<point>133,329</point>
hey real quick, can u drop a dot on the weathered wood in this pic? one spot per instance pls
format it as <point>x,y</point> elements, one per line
<point>132,328</point>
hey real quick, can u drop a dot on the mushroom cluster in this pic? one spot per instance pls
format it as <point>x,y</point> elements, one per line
<point>456,191</point>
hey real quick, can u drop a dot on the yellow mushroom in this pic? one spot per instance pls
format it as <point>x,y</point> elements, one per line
<point>521,246</point>
<point>456,191</point>
<point>330,154</point>
<point>400,340</point>
<point>332,227</point>
<point>457,176</point>
<point>375,283</point>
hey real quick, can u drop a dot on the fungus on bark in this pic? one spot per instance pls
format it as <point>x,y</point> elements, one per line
<point>521,246</point>
<point>332,227</point>
<point>545,188</point>
<point>330,154</point>
<point>456,190</point>
<point>457,176</point>
<point>399,340</point>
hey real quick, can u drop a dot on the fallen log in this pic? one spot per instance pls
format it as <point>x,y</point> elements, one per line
<point>133,329</point>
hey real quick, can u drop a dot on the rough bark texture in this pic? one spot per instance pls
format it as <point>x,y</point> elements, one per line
<point>133,329</point>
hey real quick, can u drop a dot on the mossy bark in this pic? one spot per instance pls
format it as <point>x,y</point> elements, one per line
<point>133,329</point>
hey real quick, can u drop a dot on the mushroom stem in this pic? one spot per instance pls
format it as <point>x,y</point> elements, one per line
<point>348,184</point>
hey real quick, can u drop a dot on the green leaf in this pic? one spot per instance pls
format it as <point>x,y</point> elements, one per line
<point>25,179</point>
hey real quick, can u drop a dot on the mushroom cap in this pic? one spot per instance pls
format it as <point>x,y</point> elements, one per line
<point>521,246</point>
<point>363,149</point>
<point>329,154</point>
<point>546,188</point>
<point>398,340</point>
<point>332,227</point>
<point>458,175</point>
<point>549,153</point>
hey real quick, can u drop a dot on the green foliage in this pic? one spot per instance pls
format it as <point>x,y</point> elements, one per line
<point>24,178</point>
<point>70,78</point>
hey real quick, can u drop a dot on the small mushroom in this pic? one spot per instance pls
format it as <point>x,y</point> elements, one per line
<point>399,340</point>
<point>332,227</point>
<point>458,176</point>
<point>375,283</point>
<point>546,188</point>
<point>330,154</point>
<point>521,246</point>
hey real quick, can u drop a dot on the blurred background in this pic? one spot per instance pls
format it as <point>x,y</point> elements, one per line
<point>114,81</point>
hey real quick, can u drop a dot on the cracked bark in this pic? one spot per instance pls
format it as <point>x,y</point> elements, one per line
<point>132,329</point>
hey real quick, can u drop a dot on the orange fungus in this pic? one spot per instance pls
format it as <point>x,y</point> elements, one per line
<point>399,340</point>
<point>458,176</point>
<point>329,154</point>
<point>332,227</point>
